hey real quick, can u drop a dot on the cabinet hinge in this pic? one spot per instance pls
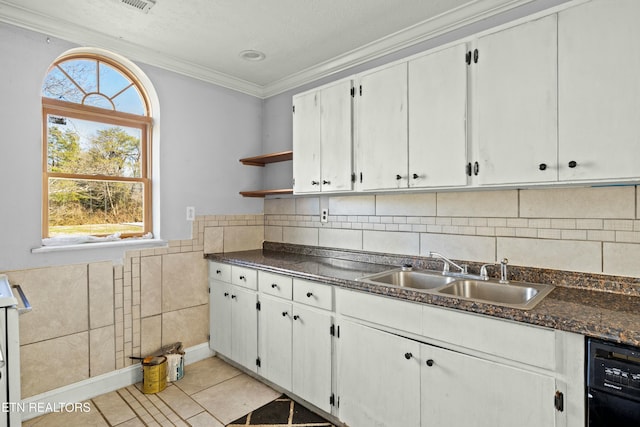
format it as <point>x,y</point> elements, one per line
<point>468,168</point>
<point>353,177</point>
<point>258,306</point>
<point>209,289</point>
<point>360,90</point>
<point>558,401</point>
<point>293,109</point>
<point>353,92</point>
<point>467,58</point>
<point>360,177</point>
<point>208,337</point>
<point>476,55</point>
<point>334,331</point>
<point>332,399</point>
<point>258,362</point>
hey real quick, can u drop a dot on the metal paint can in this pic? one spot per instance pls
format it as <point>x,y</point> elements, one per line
<point>154,374</point>
<point>175,366</point>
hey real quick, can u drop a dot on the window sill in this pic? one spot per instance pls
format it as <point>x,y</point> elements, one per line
<point>125,243</point>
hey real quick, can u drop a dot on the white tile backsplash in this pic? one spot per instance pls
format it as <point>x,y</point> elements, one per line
<point>406,204</point>
<point>340,238</point>
<point>476,248</point>
<point>391,242</point>
<point>582,256</point>
<point>609,202</point>
<point>499,203</point>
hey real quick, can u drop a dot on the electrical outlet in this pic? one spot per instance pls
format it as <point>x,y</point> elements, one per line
<point>191,213</point>
<point>324,216</point>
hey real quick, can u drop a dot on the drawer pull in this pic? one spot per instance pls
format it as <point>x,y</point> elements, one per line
<point>309,294</point>
<point>408,356</point>
<point>296,317</point>
<point>285,314</point>
<point>218,271</point>
<point>274,285</point>
<point>243,278</point>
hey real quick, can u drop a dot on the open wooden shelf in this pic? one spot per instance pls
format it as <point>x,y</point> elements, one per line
<point>264,159</point>
<point>262,193</point>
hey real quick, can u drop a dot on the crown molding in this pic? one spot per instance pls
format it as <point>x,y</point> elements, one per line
<point>468,14</point>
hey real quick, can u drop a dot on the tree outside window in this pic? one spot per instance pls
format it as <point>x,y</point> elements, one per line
<point>96,169</point>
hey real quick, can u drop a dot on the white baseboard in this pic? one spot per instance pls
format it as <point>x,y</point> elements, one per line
<point>83,390</point>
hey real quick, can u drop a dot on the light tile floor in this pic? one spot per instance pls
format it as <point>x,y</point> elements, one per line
<point>212,393</point>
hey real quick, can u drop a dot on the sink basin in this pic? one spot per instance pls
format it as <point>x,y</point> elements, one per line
<point>414,279</point>
<point>514,294</point>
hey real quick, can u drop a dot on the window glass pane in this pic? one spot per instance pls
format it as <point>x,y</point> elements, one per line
<point>98,100</point>
<point>94,207</point>
<point>130,101</point>
<point>92,148</point>
<point>58,86</point>
<point>83,72</point>
<point>112,81</point>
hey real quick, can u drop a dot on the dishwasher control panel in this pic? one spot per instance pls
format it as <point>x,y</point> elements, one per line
<point>614,369</point>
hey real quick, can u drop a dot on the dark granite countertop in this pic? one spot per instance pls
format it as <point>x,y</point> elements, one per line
<point>580,309</point>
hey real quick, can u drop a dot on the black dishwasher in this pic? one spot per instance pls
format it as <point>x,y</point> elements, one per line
<point>613,384</point>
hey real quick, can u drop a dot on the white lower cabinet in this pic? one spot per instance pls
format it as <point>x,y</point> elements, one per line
<point>378,377</point>
<point>296,349</point>
<point>234,323</point>
<point>462,390</point>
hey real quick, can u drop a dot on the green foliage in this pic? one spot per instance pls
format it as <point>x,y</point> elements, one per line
<point>111,152</point>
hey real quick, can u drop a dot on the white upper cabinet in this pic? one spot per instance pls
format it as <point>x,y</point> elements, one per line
<point>381,128</point>
<point>306,142</point>
<point>322,139</point>
<point>515,118</point>
<point>599,91</point>
<point>437,119</point>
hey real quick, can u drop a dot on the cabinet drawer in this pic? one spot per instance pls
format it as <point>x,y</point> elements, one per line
<point>314,294</point>
<point>515,341</point>
<point>392,313</point>
<point>220,271</point>
<point>275,284</point>
<point>245,277</point>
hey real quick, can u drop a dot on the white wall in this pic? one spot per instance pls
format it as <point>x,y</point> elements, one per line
<point>205,129</point>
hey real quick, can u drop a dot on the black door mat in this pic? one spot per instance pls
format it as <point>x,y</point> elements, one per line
<point>281,412</point>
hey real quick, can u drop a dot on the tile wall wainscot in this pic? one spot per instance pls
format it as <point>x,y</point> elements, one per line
<point>587,230</point>
<point>87,319</point>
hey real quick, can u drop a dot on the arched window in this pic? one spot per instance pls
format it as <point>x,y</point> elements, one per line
<point>97,139</point>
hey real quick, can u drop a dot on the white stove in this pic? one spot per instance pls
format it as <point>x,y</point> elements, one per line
<point>10,352</point>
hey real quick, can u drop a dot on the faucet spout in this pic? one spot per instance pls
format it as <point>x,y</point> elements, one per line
<point>447,263</point>
<point>503,271</point>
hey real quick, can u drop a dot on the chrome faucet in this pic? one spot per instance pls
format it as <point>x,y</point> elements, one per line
<point>448,262</point>
<point>503,270</point>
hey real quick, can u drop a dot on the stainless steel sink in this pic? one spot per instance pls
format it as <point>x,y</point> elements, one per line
<point>513,294</point>
<point>415,279</point>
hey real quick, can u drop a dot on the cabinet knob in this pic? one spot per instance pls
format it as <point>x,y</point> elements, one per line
<point>296,317</point>
<point>274,285</point>
<point>572,164</point>
<point>243,278</point>
<point>398,177</point>
<point>234,297</point>
<point>408,356</point>
<point>309,294</point>
<point>542,166</point>
<point>416,176</point>
<point>226,294</point>
<point>326,182</point>
<point>430,362</point>
<point>218,271</point>
<point>285,314</point>
<point>315,182</point>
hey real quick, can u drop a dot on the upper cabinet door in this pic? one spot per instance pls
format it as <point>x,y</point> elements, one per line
<point>437,119</point>
<point>516,114</point>
<point>306,142</point>
<point>336,135</point>
<point>599,90</point>
<point>381,106</point>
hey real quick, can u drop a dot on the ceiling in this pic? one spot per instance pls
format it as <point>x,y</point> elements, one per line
<point>303,40</point>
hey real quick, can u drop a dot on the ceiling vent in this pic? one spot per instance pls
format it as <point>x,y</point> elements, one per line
<point>141,5</point>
